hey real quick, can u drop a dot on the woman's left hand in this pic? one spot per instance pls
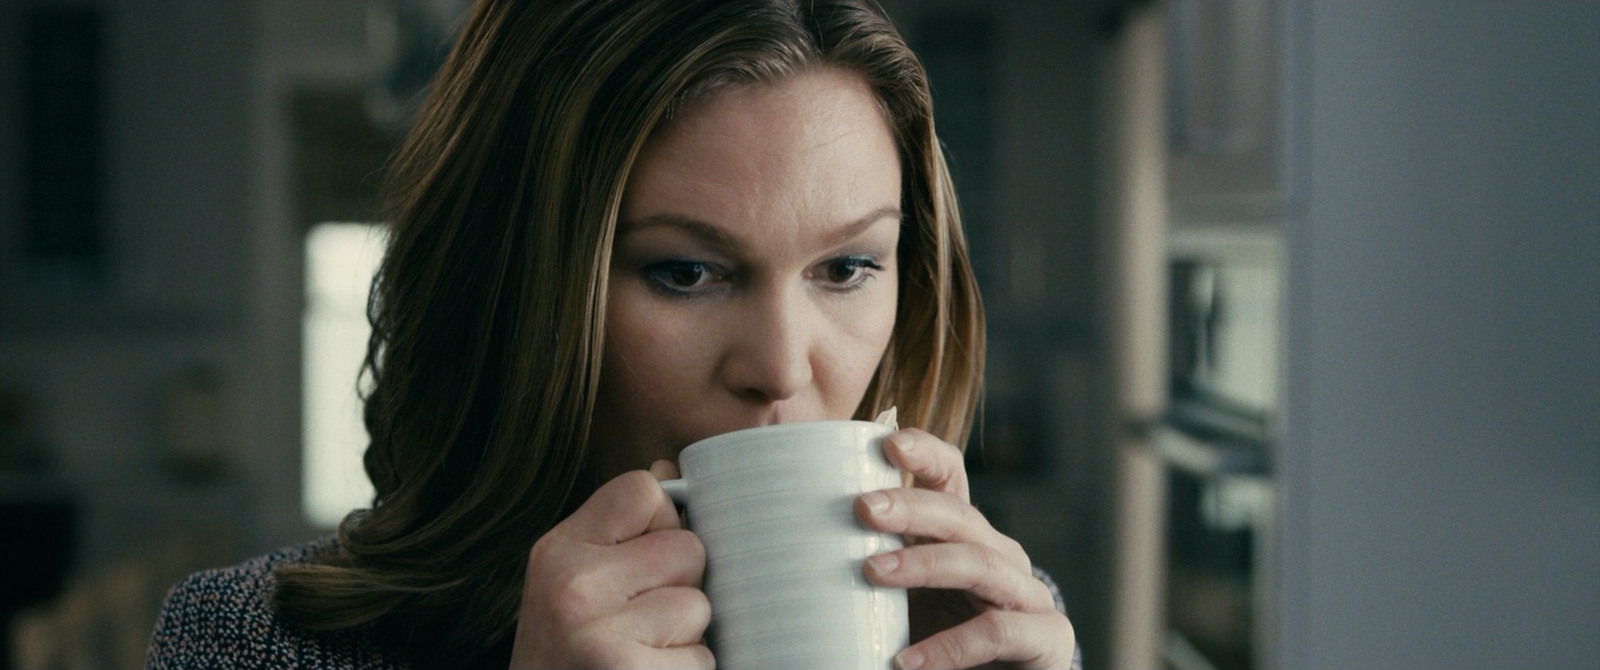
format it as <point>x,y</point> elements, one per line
<point>1011,616</point>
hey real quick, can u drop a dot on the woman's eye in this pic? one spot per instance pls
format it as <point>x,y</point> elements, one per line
<point>688,275</point>
<point>850,272</point>
<point>681,277</point>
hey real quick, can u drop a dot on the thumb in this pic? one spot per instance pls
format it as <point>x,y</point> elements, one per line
<point>663,470</point>
<point>624,508</point>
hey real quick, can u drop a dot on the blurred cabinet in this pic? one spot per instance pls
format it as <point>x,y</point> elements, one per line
<point>1224,120</point>
<point>1227,197</point>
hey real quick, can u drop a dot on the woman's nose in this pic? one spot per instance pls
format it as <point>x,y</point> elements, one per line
<point>769,357</point>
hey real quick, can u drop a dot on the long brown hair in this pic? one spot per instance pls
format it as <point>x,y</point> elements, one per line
<point>488,313</point>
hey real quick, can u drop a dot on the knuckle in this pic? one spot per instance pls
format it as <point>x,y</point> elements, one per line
<point>916,564</point>
<point>1039,593</point>
<point>575,599</point>
<point>540,555</point>
<point>933,443</point>
<point>676,550</point>
<point>1068,632</point>
<point>919,560</point>
<point>557,585</point>
<point>990,559</point>
<point>972,516</point>
<point>945,651</point>
<point>924,452</point>
<point>906,507</point>
<point>549,551</point>
<point>1011,546</point>
<point>997,630</point>
<point>1013,549</point>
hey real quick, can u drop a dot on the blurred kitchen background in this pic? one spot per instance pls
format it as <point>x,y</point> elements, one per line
<point>1294,310</point>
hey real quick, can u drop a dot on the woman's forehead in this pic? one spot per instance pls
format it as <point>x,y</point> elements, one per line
<point>804,154</point>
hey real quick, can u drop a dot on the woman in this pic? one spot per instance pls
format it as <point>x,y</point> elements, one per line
<point>623,226</point>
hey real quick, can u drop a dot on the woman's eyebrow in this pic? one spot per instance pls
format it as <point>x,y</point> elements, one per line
<point>706,232</point>
<point>713,235</point>
<point>855,228</point>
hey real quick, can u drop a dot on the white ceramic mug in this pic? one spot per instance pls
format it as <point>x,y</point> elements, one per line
<point>772,505</point>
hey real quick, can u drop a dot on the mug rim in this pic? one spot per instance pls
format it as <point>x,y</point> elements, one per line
<point>778,429</point>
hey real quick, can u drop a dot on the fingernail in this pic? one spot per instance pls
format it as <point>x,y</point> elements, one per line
<point>884,564</point>
<point>876,501</point>
<point>908,659</point>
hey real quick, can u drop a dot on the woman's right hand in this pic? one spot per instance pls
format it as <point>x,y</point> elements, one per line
<point>616,585</point>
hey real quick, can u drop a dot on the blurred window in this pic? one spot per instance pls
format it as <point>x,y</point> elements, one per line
<point>341,259</point>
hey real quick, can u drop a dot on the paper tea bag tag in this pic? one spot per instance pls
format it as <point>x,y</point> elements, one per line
<point>889,418</point>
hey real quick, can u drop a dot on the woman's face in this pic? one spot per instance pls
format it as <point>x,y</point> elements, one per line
<point>754,277</point>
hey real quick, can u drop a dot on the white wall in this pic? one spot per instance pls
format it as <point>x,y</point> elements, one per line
<point>1442,454</point>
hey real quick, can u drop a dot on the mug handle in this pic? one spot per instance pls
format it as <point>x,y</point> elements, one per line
<point>678,490</point>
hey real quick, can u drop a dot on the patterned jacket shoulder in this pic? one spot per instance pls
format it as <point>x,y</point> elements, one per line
<point>222,618</point>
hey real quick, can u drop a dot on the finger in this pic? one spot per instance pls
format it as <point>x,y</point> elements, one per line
<point>672,557</point>
<point>932,462</point>
<point>624,508</point>
<point>672,616</point>
<point>692,656</point>
<point>977,569</point>
<point>918,513</point>
<point>1026,639</point>
<point>596,581</point>
<point>605,652</point>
